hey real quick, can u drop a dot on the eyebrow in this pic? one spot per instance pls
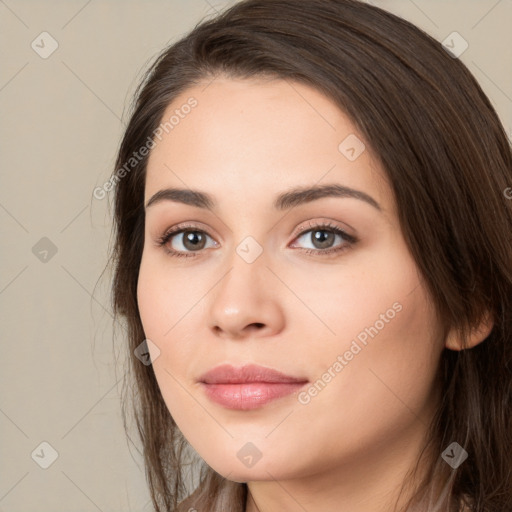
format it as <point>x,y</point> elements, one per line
<point>283,201</point>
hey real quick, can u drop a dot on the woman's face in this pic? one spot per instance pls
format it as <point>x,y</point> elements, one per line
<point>265,279</point>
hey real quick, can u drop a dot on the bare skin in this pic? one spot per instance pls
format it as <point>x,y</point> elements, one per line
<point>348,446</point>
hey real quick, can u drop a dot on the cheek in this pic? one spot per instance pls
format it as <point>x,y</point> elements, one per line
<point>168,303</point>
<point>389,355</point>
<point>387,389</point>
<point>163,297</point>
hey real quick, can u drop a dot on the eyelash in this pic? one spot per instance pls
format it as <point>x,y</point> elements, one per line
<point>349,239</point>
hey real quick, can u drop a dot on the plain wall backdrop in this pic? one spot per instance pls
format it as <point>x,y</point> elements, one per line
<point>68,72</point>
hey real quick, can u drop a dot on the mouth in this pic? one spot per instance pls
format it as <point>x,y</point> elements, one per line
<point>248,387</point>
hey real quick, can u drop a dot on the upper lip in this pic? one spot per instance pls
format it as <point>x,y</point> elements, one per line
<point>227,374</point>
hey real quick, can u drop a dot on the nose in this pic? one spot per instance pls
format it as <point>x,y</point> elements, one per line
<point>246,302</point>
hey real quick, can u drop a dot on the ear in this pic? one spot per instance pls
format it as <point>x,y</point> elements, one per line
<point>477,335</point>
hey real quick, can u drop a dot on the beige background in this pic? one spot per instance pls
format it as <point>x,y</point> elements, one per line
<point>62,118</point>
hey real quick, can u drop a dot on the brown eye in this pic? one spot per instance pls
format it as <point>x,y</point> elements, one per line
<point>184,242</point>
<point>193,240</point>
<point>187,240</point>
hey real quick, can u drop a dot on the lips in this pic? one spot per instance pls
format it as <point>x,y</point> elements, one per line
<point>247,387</point>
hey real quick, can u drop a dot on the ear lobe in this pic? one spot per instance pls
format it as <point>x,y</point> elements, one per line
<point>478,334</point>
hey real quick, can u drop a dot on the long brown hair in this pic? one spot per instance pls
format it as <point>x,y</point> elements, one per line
<point>449,163</point>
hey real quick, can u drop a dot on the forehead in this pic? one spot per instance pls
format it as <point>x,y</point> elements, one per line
<point>251,136</point>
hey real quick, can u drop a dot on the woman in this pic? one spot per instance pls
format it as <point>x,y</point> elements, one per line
<point>313,261</point>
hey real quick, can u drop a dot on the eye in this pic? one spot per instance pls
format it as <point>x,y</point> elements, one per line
<point>183,239</point>
<point>322,238</point>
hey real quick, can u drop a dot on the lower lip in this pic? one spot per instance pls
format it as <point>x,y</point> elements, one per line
<point>250,395</point>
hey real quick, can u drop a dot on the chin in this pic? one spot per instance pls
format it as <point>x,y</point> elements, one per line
<point>261,470</point>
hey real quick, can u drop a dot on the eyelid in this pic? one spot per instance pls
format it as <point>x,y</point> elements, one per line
<point>185,226</point>
<point>322,223</point>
